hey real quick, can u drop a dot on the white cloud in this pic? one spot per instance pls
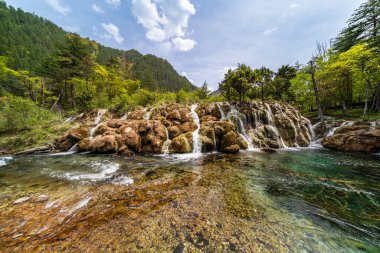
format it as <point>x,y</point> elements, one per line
<point>293,6</point>
<point>112,32</point>
<point>97,9</point>
<point>72,29</point>
<point>225,69</point>
<point>270,31</point>
<point>57,6</point>
<point>187,76</point>
<point>115,3</point>
<point>165,21</point>
<point>183,44</point>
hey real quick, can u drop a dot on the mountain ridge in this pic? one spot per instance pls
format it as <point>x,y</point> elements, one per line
<point>30,39</point>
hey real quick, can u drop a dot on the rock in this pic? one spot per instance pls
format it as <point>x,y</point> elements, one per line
<point>104,144</point>
<point>232,149</point>
<point>356,138</point>
<point>78,133</point>
<point>242,143</point>
<point>132,139</point>
<point>84,145</point>
<point>229,143</point>
<point>180,144</point>
<point>42,198</point>
<point>268,150</point>
<point>21,200</point>
<point>124,151</point>
<point>173,132</point>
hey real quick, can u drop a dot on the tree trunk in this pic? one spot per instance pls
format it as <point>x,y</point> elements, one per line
<point>314,81</point>
<point>366,97</point>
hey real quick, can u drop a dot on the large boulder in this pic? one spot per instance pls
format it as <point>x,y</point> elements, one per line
<point>104,144</point>
<point>181,144</point>
<point>356,138</point>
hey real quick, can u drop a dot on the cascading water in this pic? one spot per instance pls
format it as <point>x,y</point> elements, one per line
<point>234,113</point>
<point>97,121</point>
<point>197,144</point>
<point>148,114</point>
<point>222,114</point>
<point>166,145</point>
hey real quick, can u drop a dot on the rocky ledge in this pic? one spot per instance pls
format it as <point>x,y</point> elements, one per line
<point>175,128</point>
<point>358,137</point>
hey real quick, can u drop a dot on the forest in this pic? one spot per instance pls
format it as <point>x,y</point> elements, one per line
<point>48,69</point>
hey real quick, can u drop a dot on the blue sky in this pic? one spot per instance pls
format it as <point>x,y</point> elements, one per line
<point>203,38</point>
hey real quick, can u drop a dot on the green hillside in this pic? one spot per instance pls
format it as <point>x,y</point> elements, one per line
<point>27,40</point>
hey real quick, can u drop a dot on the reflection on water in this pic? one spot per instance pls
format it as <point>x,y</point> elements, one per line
<point>291,201</point>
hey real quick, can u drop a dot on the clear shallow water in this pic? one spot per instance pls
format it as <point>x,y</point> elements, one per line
<point>309,200</point>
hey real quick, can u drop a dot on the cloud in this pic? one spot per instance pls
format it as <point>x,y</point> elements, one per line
<point>187,76</point>
<point>293,6</point>
<point>183,44</point>
<point>97,9</point>
<point>225,69</point>
<point>270,31</point>
<point>115,3</point>
<point>57,6</point>
<point>112,32</point>
<point>165,21</point>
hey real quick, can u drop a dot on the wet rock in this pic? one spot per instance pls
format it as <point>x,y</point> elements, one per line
<point>356,138</point>
<point>42,198</point>
<point>268,150</point>
<point>242,143</point>
<point>180,144</point>
<point>124,151</point>
<point>104,144</point>
<point>84,145</point>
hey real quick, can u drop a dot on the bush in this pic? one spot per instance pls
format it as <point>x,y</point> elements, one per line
<point>18,113</point>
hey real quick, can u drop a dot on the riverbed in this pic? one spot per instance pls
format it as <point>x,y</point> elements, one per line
<point>299,200</point>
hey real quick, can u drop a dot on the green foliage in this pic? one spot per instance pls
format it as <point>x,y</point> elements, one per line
<point>17,113</point>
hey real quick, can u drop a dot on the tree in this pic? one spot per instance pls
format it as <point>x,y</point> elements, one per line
<point>263,77</point>
<point>315,88</point>
<point>363,26</point>
<point>203,92</point>
<point>240,80</point>
<point>281,82</point>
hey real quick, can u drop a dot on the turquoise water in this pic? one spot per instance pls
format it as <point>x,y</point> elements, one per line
<point>310,200</point>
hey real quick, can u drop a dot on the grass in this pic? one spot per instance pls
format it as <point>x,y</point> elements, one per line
<point>41,134</point>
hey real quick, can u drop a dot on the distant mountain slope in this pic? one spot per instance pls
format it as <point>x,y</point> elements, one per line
<point>27,40</point>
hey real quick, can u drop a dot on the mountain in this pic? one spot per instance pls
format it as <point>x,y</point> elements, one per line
<point>28,40</point>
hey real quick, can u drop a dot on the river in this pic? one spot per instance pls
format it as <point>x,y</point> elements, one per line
<point>306,200</point>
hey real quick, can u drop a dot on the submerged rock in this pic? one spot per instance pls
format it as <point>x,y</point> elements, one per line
<point>21,200</point>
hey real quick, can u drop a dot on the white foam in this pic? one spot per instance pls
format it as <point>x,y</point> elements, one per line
<point>197,144</point>
<point>102,171</point>
<point>4,160</point>
<point>123,180</point>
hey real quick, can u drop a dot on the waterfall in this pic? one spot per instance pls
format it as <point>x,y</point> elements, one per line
<point>74,148</point>
<point>197,144</point>
<point>240,126</point>
<point>222,114</point>
<point>97,121</point>
<point>148,114</point>
<point>166,145</point>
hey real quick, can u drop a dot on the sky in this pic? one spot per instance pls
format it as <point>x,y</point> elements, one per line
<point>202,39</point>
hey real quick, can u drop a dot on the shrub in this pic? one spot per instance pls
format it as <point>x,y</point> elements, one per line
<point>18,113</point>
